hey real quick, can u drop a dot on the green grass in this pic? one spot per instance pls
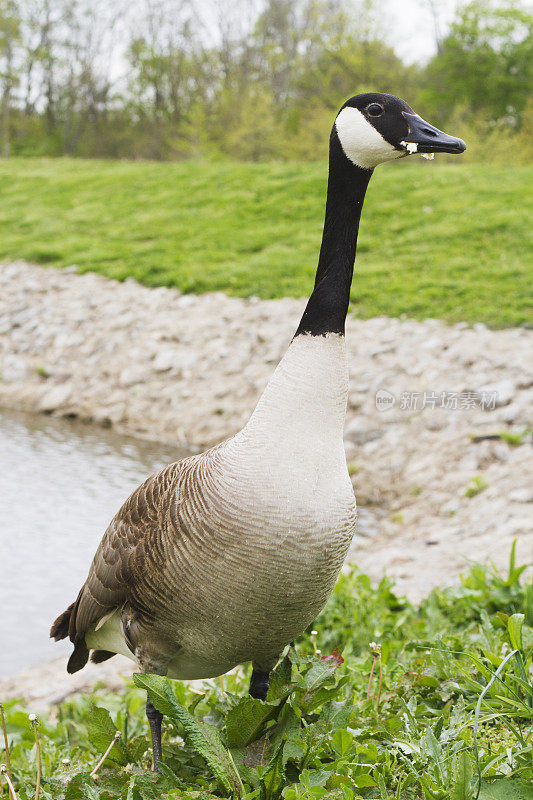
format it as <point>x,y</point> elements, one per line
<point>428,704</point>
<point>446,240</point>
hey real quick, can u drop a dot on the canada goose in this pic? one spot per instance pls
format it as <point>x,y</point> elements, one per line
<point>227,556</point>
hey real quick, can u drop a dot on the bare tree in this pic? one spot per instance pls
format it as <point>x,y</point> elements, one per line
<point>84,56</point>
<point>40,26</point>
<point>9,38</point>
<point>439,12</point>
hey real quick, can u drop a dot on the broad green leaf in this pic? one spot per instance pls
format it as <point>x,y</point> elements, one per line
<point>159,691</point>
<point>150,785</point>
<point>280,680</point>
<point>406,747</point>
<point>101,730</point>
<point>245,721</point>
<point>342,742</point>
<point>335,714</point>
<point>257,753</point>
<point>435,751</point>
<point>506,789</point>
<point>294,749</point>
<point>461,776</point>
<point>273,779</point>
<point>437,728</point>
<point>204,738</point>
<point>288,730</point>
<point>364,780</point>
<point>324,694</point>
<point>314,777</point>
<point>169,775</point>
<point>83,787</point>
<point>320,672</point>
<point>514,626</point>
<point>427,680</point>
<point>133,791</point>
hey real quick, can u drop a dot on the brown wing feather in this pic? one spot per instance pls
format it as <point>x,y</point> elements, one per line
<point>132,534</point>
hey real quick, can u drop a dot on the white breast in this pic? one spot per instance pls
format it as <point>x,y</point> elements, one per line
<point>290,455</point>
<point>284,509</point>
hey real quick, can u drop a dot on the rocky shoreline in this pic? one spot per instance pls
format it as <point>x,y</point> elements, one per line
<point>438,429</point>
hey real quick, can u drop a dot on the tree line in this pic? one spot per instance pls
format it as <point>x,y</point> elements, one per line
<point>246,79</point>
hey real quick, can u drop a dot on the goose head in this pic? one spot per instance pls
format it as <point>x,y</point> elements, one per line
<point>373,128</point>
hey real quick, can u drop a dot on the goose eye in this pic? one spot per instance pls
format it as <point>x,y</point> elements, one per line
<point>374,110</point>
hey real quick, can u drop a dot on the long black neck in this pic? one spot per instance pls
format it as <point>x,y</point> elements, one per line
<point>328,305</point>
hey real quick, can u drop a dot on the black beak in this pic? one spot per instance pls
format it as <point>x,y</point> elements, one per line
<point>428,138</point>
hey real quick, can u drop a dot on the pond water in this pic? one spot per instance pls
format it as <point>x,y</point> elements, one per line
<point>61,482</point>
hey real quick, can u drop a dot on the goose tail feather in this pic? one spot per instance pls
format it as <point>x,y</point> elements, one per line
<point>60,628</point>
<point>79,657</point>
<point>97,656</point>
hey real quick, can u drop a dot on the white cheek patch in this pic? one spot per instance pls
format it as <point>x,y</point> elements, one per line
<point>361,142</point>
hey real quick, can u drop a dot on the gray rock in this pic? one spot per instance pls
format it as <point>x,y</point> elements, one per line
<point>55,397</point>
<point>186,301</point>
<point>450,508</point>
<point>132,375</point>
<point>522,495</point>
<point>361,434</point>
<point>13,369</point>
<point>174,360</point>
<point>503,392</point>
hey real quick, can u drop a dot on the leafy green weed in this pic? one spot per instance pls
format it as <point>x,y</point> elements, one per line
<point>426,703</point>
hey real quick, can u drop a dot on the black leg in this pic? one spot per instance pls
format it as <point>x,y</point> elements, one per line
<point>259,684</point>
<point>155,718</point>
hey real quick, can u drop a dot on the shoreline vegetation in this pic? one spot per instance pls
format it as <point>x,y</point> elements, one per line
<point>457,243</point>
<point>380,699</point>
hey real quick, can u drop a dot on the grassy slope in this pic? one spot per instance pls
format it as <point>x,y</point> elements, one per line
<point>438,240</point>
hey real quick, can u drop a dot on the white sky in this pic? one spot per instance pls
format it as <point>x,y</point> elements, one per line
<point>408,25</point>
<point>410,28</point>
